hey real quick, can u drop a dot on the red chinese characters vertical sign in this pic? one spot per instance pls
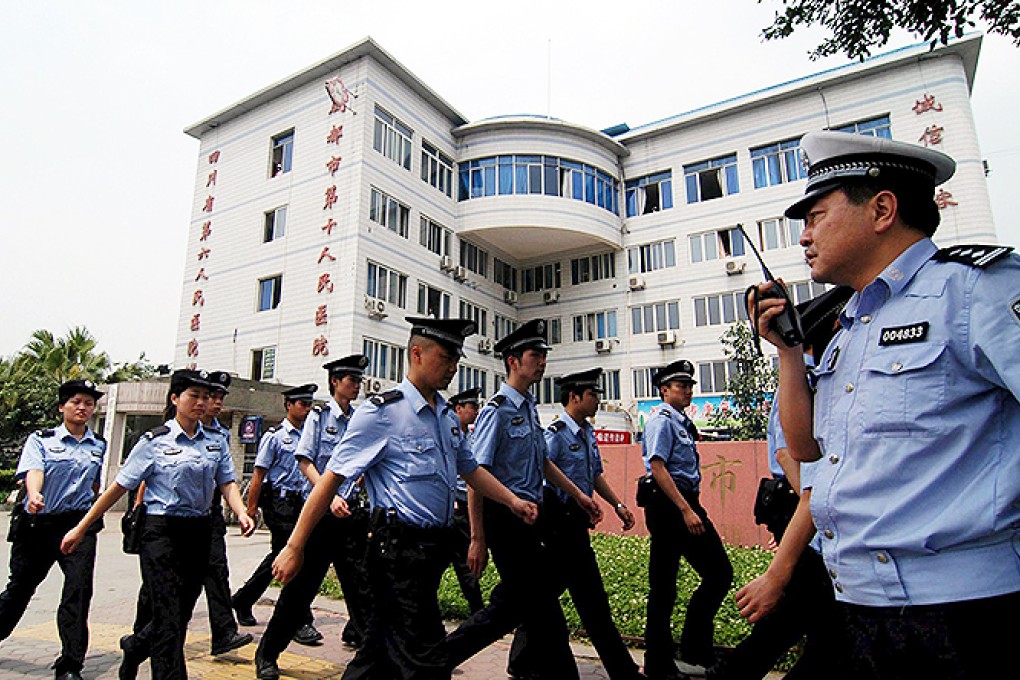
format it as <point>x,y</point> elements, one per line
<point>203,257</point>
<point>932,136</point>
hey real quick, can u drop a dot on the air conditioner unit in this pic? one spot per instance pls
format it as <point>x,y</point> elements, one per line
<point>667,337</point>
<point>734,267</point>
<point>446,263</point>
<point>372,386</point>
<point>603,345</point>
<point>485,345</point>
<point>551,296</point>
<point>460,273</point>
<point>510,297</point>
<point>636,282</point>
<point>376,307</point>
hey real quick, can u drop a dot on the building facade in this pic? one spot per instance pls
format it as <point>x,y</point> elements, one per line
<point>336,202</point>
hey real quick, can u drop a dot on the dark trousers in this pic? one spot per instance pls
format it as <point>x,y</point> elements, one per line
<point>969,640</point>
<point>469,585</point>
<point>174,557</point>
<point>404,636</point>
<point>565,531</point>
<point>527,594</point>
<point>333,541</point>
<point>33,552</point>
<point>670,540</point>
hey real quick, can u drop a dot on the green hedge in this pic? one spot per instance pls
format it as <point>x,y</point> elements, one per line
<point>6,483</point>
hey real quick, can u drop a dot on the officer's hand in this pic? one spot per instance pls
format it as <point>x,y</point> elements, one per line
<point>71,540</point>
<point>768,308</point>
<point>338,507</point>
<point>247,524</point>
<point>477,557</point>
<point>287,564</point>
<point>693,522</point>
<point>592,508</point>
<point>35,503</point>
<point>759,597</point>
<point>526,510</point>
<point>626,516</point>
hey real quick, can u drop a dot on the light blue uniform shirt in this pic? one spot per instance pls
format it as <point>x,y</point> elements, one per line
<point>917,498</point>
<point>574,451</point>
<point>775,438</point>
<point>276,457</point>
<point>462,487</point>
<point>410,455</point>
<point>510,443</point>
<point>70,467</point>
<point>667,437</point>
<point>180,472</point>
<point>321,433</point>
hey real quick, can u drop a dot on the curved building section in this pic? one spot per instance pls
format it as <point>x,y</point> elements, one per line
<point>530,186</point>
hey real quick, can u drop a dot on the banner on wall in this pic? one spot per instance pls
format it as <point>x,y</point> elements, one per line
<point>700,410</point>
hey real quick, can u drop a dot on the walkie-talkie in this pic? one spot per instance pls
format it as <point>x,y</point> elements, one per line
<point>787,324</point>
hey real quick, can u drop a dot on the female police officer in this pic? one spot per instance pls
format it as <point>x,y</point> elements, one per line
<point>60,469</point>
<point>181,463</point>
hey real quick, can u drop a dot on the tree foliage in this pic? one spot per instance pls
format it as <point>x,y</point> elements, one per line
<point>858,26</point>
<point>749,388</point>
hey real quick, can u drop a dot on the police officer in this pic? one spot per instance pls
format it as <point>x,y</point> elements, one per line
<point>572,447</point>
<point>181,462</point>
<point>915,415</point>
<point>465,404</point>
<point>277,486</point>
<point>510,443</point>
<point>679,527</point>
<point>408,445</point>
<point>60,469</point>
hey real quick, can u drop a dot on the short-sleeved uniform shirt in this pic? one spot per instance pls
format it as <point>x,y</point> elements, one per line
<point>575,452</point>
<point>668,438</point>
<point>509,440</point>
<point>276,457</point>
<point>71,467</point>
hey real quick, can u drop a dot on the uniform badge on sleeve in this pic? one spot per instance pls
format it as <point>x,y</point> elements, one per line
<point>903,335</point>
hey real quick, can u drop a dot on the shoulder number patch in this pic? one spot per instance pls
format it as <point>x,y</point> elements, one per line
<point>903,335</point>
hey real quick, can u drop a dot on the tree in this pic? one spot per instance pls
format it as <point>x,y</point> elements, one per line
<point>749,387</point>
<point>133,371</point>
<point>857,26</point>
<point>73,357</point>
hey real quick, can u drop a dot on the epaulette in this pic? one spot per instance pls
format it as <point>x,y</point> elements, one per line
<point>273,429</point>
<point>318,408</point>
<point>387,397</point>
<point>973,255</point>
<point>157,432</point>
<point>497,401</point>
<point>99,437</point>
<point>664,411</point>
<point>557,425</point>
<point>45,433</point>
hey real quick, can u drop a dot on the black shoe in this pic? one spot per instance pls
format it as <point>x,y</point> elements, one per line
<point>68,675</point>
<point>133,658</point>
<point>307,635</point>
<point>231,643</point>
<point>243,614</point>
<point>264,668</point>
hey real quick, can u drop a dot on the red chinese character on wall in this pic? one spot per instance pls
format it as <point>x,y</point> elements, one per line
<point>944,199</point>
<point>193,347</point>
<point>325,284</point>
<point>204,254</point>
<point>212,179</point>
<point>320,346</point>
<point>196,322</point>
<point>198,299</point>
<point>328,227</point>
<point>932,135</point>
<point>208,204</point>
<point>926,104</point>
<point>333,165</point>
<point>321,316</point>
<point>338,94</point>
<point>330,197</point>
<point>324,255</point>
<point>201,275</point>
<point>214,157</point>
<point>335,134</point>
<point>206,231</point>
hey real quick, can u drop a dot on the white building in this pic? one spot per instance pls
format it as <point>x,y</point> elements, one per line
<point>336,202</point>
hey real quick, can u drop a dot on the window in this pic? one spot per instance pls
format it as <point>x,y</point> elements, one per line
<point>660,316</point>
<point>474,258</point>
<point>282,153</point>
<point>436,168</point>
<point>777,164</point>
<point>263,363</point>
<point>542,277</point>
<point>385,361</point>
<point>649,194</point>
<point>546,391</point>
<point>711,179</point>
<point>609,381</point>
<point>433,302</point>
<point>554,331</point>
<point>504,274</point>
<point>469,310</point>
<point>595,325</point>
<point>504,326</point>
<point>643,388</point>
<point>876,127</point>
<point>392,138</point>
<point>269,292</point>
<point>714,245</point>
<point>386,284</point>
<point>713,376</point>
<point>803,291</point>
<point>593,268</point>
<point>275,224</point>
<point>435,236</point>
<point>469,376</point>
<point>651,256</point>
<point>779,232</point>
<point>389,212</point>
<point>715,310</point>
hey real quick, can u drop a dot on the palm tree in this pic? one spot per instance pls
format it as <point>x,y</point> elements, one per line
<point>73,357</point>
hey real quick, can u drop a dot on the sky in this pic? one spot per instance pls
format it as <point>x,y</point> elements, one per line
<point>94,97</point>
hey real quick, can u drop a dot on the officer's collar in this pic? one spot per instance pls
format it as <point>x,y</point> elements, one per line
<point>893,279</point>
<point>670,407</point>
<point>217,426</point>
<point>62,433</point>
<point>570,423</point>
<point>289,426</point>
<point>511,393</point>
<point>417,401</point>
<point>177,431</point>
